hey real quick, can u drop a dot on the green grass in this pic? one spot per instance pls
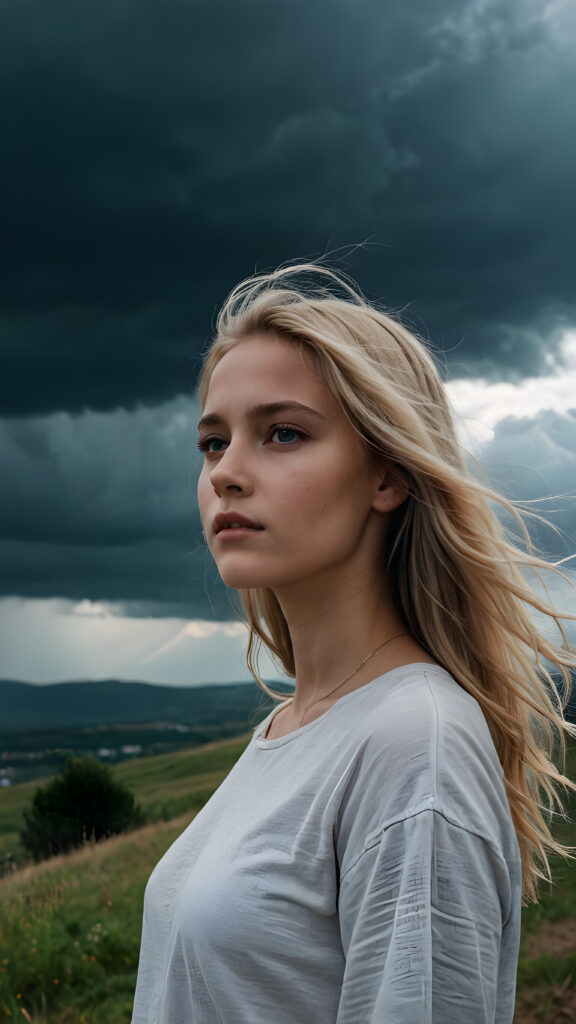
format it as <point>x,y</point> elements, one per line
<point>70,927</point>
<point>559,899</point>
<point>545,970</point>
<point>70,930</point>
<point>13,800</point>
<point>165,786</point>
<point>170,784</point>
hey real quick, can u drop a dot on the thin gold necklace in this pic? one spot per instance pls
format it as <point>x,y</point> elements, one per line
<point>357,669</point>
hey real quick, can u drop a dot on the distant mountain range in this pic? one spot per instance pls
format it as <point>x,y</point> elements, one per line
<point>28,707</point>
<point>25,707</point>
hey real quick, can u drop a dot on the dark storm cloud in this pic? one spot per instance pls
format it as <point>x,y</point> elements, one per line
<point>154,153</point>
<point>103,506</point>
<point>152,579</point>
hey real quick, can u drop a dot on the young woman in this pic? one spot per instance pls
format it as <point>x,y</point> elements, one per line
<point>364,861</point>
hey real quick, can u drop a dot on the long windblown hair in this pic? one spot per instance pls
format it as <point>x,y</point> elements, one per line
<point>459,579</point>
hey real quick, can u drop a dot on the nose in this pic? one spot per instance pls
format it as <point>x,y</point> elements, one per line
<point>230,474</point>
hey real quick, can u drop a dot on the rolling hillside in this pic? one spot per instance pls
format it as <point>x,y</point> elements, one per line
<point>70,927</point>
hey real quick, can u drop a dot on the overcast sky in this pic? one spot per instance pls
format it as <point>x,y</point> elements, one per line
<point>157,152</point>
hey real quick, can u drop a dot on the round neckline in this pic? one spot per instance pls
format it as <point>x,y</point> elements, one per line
<point>279,741</point>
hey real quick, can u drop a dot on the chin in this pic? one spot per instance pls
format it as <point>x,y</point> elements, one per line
<point>242,571</point>
<point>244,581</point>
<point>239,577</point>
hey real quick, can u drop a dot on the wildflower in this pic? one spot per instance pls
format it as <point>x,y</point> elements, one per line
<point>56,982</point>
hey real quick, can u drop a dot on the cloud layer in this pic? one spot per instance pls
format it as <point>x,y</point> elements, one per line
<point>103,505</point>
<point>153,155</point>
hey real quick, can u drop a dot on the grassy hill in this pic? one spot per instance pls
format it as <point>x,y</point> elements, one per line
<point>70,927</point>
<point>41,726</point>
<point>166,786</point>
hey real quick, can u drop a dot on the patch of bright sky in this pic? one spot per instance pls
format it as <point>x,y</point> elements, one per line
<point>46,641</point>
<point>479,405</point>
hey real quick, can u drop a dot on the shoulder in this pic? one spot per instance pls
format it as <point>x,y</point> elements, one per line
<point>421,709</point>
<point>423,743</point>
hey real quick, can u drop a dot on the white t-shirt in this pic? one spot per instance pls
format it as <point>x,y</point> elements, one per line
<point>361,870</point>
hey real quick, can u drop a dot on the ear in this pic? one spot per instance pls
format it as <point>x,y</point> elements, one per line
<point>391,489</point>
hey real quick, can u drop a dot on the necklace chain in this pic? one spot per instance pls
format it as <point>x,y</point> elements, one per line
<point>353,673</point>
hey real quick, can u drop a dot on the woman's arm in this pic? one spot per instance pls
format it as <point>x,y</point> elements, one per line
<point>428,930</point>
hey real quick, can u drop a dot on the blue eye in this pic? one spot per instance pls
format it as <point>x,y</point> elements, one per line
<point>279,435</point>
<point>286,435</point>
<point>206,444</point>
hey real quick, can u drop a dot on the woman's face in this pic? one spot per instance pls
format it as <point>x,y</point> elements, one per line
<point>287,492</point>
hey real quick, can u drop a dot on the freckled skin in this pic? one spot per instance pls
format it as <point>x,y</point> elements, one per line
<point>321,502</point>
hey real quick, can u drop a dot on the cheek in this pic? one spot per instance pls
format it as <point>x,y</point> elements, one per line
<point>338,506</point>
<point>334,484</point>
<point>319,512</point>
<point>301,499</point>
<point>203,492</point>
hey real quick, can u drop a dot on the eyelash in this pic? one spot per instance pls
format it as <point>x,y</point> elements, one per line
<point>204,443</point>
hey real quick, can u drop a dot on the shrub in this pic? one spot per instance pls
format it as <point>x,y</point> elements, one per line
<point>83,803</point>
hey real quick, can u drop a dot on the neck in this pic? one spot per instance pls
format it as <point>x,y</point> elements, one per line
<point>333,629</point>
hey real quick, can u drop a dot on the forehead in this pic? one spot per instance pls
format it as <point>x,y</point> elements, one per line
<point>262,366</point>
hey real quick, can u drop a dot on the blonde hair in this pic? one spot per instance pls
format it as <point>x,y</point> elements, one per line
<point>458,581</point>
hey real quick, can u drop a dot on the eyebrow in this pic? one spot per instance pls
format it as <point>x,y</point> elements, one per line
<point>257,412</point>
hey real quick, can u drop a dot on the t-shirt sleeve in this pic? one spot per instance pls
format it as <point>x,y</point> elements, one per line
<point>422,913</point>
